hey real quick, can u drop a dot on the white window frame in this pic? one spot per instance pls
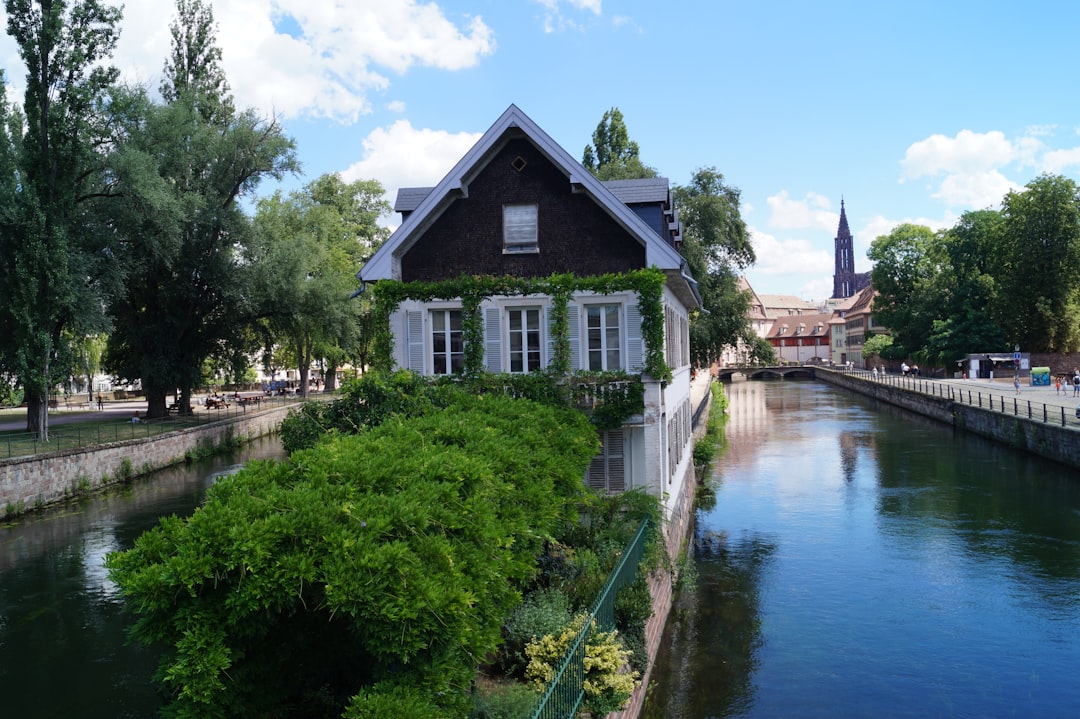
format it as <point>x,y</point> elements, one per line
<point>528,355</point>
<point>599,347</point>
<point>521,229</point>
<point>446,337</point>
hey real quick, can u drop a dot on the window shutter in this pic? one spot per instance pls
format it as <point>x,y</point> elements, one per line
<point>493,339</point>
<point>607,471</point>
<point>414,329</point>
<point>573,331</point>
<point>635,343</point>
<point>616,465</point>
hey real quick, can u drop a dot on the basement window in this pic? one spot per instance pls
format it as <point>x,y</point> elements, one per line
<point>520,229</point>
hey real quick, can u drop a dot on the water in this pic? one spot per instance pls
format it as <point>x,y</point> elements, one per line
<point>63,651</point>
<point>862,562</point>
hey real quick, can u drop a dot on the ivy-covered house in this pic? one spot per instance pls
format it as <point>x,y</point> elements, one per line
<point>521,262</point>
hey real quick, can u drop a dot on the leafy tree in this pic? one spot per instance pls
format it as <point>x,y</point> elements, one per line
<point>716,245</point>
<point>183,173</point>
<point>1038,266</point>
<point>905,263</point>
<point>370,573</point>
<point>877,345</point>
<point>966,289</point>
<point>54,269</point>
<point>612,154</point>
<point>307,250</point>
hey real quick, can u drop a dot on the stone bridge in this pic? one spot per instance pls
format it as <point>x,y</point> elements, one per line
<point>777,372</point>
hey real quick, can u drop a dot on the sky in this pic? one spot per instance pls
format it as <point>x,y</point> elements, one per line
<point>908,112</point>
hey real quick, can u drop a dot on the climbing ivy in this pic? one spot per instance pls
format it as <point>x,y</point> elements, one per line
<point>648,284</point>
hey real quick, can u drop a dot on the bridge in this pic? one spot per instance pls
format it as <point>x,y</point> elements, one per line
<point>771,372</point>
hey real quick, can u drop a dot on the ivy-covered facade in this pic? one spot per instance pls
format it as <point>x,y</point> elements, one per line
<point>521,269</point>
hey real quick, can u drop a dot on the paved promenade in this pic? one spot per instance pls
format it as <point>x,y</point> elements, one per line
<point>998,388</point>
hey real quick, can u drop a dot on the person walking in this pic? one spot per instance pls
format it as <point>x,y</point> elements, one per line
<point>100,403</point>
<point>1076,384</point>
<point>1016,383</point>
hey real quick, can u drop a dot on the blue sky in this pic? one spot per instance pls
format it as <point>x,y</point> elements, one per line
<point>912,112</point>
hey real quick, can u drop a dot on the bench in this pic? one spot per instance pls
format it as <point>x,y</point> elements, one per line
<point>212,403</point>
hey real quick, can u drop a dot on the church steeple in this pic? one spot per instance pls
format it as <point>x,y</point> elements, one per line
<point>846,282</point>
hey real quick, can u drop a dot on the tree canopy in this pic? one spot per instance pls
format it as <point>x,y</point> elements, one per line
<point>183,172</point>
<point>53,239</point>
<point>612,154</point>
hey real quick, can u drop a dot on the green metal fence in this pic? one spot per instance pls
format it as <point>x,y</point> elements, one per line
<point>563,695</point>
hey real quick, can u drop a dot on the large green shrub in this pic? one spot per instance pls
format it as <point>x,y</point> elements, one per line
<point>373,562</point>
<point>543,612</point>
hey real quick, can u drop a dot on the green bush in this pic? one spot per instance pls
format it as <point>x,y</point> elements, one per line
<point>608,680</point>
<point>543,612</point>
<point>393,555</point>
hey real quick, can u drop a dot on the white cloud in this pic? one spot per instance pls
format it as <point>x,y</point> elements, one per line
<point>556,20</point>
<point>397,106</point>
<point>325,60</point>
<point>1056,161</point>
<point>968,152</point>
<point>404,156</point>
<point>977,190</point>
<point>811,212</point>
<point>789,256</point>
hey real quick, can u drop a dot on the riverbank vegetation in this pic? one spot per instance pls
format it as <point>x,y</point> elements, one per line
<point>381,572</point>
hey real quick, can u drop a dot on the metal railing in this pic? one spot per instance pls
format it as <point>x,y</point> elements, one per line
<point>564,693</point>
<point>984,398</point>
<point>93,431</point>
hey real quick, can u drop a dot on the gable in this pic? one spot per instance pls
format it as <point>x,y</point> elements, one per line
<point>574,233</point>
<point>513,124</point>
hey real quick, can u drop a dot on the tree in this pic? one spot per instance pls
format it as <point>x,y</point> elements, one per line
<point>716,244</point>
<point>1038,266</point>
<point>55,268</point>
<point>612,154</point>
<point>184,171</point>
<point>304,261</point>
<point>906,261</point>
<point>965,289</point>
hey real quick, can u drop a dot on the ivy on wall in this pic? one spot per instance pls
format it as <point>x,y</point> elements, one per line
<point>648,284</point>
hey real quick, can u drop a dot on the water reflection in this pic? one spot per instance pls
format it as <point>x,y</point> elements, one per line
<point>861,561</point>
<point>63,649</point>
<point>713,633</point>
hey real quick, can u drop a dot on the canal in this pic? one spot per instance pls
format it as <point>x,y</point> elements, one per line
<point>858,561</point>
<point>63,651</point>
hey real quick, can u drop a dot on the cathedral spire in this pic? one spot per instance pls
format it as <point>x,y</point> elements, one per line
<point>846,282</point>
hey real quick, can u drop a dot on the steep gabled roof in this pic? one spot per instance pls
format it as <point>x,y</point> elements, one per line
<point>513,123</point>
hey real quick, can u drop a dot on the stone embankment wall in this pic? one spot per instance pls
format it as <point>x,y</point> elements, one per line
<point>1046,439</point>
<point>32,482</point>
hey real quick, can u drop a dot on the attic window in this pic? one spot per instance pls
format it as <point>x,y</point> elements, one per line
<point>519,229</point>
<point>518,163</point>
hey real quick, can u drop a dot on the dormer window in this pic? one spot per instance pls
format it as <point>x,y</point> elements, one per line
<point>520,229</point>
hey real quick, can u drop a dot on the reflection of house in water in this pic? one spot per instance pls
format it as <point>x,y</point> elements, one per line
<point>747,426</point>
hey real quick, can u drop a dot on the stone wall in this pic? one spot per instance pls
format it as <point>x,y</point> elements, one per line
<point>32,482</point>
<point>1046,439</point>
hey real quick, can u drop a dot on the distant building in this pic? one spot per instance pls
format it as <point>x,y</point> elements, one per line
<point>846,281</point>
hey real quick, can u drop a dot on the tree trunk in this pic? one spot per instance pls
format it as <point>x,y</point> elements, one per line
<point>155,404</point>
<point>330,378</point>
<point>185,401</point>
<point>37,415</point>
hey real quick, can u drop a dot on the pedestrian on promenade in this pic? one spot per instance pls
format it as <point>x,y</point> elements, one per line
<point>1016,383</point>
<point>100,403</point>
<point>1076,384</point>
<point>1057,385</point>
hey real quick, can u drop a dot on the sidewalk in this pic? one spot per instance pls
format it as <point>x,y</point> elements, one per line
<point>14,420</point>
<point>999,388</point>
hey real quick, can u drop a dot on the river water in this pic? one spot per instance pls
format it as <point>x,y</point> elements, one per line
<point>859,561</point>
<point>63,651</point>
